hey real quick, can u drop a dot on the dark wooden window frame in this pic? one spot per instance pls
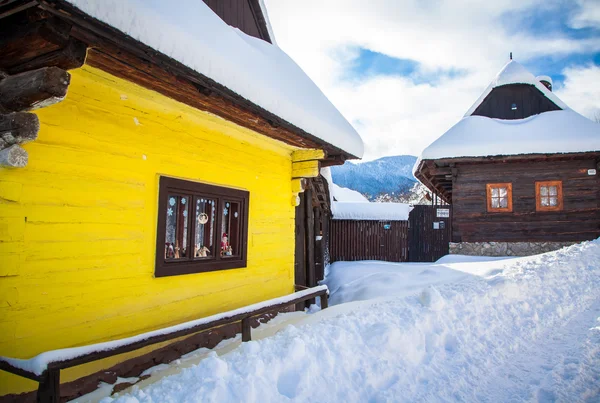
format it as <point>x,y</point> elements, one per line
<point>488,191</point>
<point>190,265</point>
<point>538,196</point>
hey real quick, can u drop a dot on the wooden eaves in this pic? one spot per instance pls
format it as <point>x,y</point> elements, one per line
<point>60,31</point>
<point>438,174</point>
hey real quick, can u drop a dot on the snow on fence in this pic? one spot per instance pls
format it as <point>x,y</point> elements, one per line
<point>45,367</point>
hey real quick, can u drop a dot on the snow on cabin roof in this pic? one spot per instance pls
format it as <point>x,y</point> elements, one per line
<point>257,70</point>
<point>514,73</point>
<point>263,8</point>
<point>550,132</point>
<point>370,211</point>
<point>343,194</point>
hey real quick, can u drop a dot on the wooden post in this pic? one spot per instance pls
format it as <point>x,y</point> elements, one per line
<point>34,89</point>
<point>325,301</point>
<point>49,387</point>
<point>311,279</point>
<point>246,330</point>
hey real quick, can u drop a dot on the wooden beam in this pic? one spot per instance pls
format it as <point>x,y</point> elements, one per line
<point>306,169</point>
<point>34,89</point>
<point>13,157</point>
<point>18,128</point>
<point>25,42</point>
<point>246,330</point>
<point>70,57</point>
<point>308,155</point>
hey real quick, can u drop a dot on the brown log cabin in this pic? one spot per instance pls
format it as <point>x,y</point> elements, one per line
<point>520,169</point>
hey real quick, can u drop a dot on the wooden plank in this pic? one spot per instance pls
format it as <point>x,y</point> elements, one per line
<point>305,169</point>
<point>20,43</point>
<point>34,89</point>
<point>308,155</point>
<point>70,57</point>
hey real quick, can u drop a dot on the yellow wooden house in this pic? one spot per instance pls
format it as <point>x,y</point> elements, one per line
<point>152,159</point>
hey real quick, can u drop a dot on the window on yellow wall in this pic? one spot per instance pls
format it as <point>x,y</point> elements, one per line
<point>200,228</point>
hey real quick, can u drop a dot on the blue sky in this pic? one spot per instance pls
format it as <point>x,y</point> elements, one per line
<point>405,71</point>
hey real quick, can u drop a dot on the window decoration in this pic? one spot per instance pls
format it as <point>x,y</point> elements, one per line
<point>548,196</point>
<point>187,236</point>
<point>499,197</point>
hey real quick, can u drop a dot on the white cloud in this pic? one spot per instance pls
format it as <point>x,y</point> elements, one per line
<point>393,114</point>
<point>581,90</point>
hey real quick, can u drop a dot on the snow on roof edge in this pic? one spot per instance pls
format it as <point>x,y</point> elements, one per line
<point>255,69</point>
<point>263,8</point>
<point>553,132</point>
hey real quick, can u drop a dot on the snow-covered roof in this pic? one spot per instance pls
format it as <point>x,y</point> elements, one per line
<point>547,133</point>
<point>370,211</point>
<point>347,195</point>
<point>514,73</point>
<point>257,70</point>
<point>265,13</point>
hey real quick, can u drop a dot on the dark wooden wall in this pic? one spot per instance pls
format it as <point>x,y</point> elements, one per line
<point>529,100</point>
<point>368,240</point>
<point>243,14</point>
<point>580,219</point>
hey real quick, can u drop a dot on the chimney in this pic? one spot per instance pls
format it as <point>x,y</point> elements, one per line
<point>546,80</point>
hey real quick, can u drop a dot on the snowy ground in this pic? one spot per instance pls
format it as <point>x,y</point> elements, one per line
<point>523,329</point>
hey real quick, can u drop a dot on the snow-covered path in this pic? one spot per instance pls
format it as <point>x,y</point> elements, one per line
<point>503,330</point>
<point>565,365</point>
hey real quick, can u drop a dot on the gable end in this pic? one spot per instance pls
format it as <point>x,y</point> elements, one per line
<point>515,101</point>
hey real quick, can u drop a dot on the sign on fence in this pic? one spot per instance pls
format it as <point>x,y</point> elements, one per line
<point>443,213</point>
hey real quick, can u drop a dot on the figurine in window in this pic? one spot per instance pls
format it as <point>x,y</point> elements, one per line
<point>229,251</point>
<point>224,244</point>
<point>177,251</point>
<point>169,251</point>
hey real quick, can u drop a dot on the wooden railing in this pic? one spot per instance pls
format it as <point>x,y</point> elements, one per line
<point>46,370</point>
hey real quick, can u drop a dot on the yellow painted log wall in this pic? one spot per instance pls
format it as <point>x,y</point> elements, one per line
<point>78,224</point>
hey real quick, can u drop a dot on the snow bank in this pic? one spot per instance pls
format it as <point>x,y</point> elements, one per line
<point>523,331</point>
<point>342,194</point>
<point>370,211</point>
<point>258,71</point>
<point>39,363</point>
<point>514,73</point>
<point>549,132</point>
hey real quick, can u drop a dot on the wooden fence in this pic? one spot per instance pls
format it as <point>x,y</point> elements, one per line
<point>49,377</point>
<point>368,240</point>
<point>424,237</point>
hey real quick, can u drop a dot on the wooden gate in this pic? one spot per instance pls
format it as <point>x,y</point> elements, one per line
<point>352,240</point>
<point>429,232</point>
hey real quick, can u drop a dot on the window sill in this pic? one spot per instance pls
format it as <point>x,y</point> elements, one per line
<point>178,269</point>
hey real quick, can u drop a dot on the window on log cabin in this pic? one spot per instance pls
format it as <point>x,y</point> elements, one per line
<point>200,228</point>
<point>548,196</point>
<point>499,197</point>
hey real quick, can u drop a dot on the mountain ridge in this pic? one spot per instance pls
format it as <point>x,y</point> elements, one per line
<point>387,175</point>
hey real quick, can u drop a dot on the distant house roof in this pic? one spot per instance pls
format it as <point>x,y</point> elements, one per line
<point>260,72</point>
<point>514,73</point>
<point>551,132</point>
<point>558,131</point>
